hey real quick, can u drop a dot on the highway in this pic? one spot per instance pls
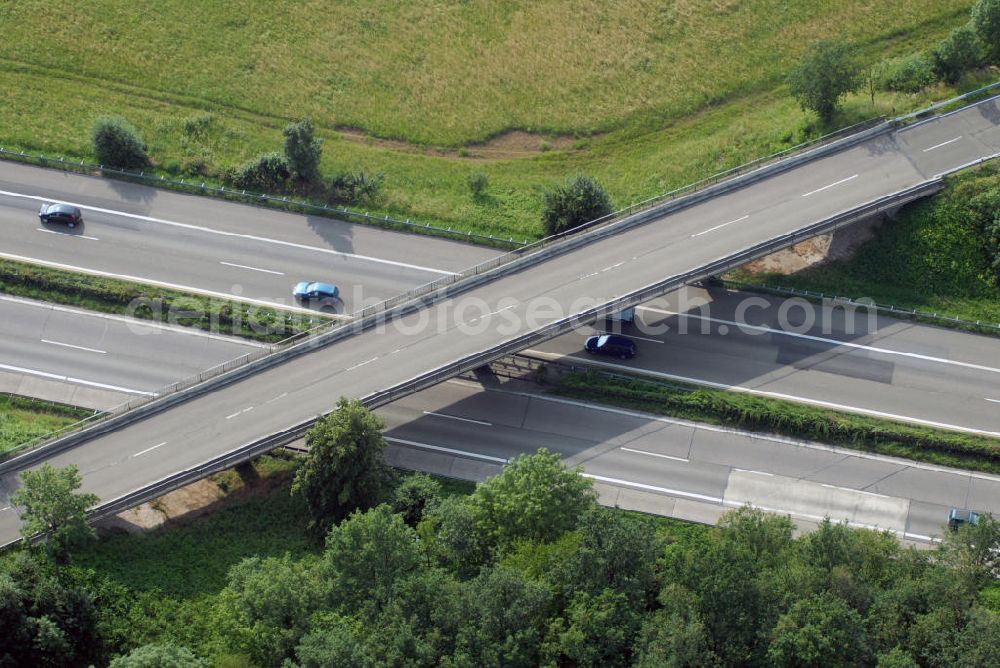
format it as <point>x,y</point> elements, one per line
<point>697,463</point>
<point>675,459</point>
<point>211,246</point>
<point>878,366</point>
<point>501,310</point>
<point>98,360</point>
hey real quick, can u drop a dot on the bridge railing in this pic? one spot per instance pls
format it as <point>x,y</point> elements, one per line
<point>634,214</point>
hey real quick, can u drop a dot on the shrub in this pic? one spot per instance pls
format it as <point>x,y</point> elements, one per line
<point>348,188</point>
<point>909,75</point>
<point>413,495</point>
<point>267,172</point>
<point>959,52</point>
<point>478,184</point>
<point>580,200</point>
<point>302,151</point>
<point>117,143</point>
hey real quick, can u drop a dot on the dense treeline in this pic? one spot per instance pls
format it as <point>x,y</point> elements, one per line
<point>529,570</point>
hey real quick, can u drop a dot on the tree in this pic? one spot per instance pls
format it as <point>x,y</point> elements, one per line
<point>675,636</point>
<point>44,622</point>
<point>117,143</point>
<point>51,507</point>
<point>615,552</point>
<point>820,631</point>
<point>303,150</point>
<point>594,631</point>
<point>959,52</point>
<point>974,551</point>
<point>827,73</point>
<point>534,498</point>
<point>269,602</point>
<point>366,554</point>
<point>334,640</point>
<point>158,656</point>
<point>344,470</point>
<point>413,495</point>
<point>505,627</point>
<point>450,535</point>
<point>986,21</point>
<point>579,201</point>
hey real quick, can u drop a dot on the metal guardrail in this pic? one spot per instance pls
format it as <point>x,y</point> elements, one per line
<point>650,292</point>
<point>885,309</point>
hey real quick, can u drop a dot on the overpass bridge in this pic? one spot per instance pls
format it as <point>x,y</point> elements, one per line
<point>461,324</point>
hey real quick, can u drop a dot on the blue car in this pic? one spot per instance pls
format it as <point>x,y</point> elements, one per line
<point>316,293</point>
<point>610,344</point>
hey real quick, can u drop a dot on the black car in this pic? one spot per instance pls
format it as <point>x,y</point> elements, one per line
<point>60,213</point>
<point>609,344</point>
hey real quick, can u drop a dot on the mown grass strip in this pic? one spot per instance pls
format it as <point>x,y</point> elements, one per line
<point>743,411</point>
<point>24,418</point>
<point>110,295</point>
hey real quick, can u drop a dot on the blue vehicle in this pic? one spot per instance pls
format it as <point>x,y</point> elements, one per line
<point>610,344</point>
<point>959,516</point>
<point>316,293</point>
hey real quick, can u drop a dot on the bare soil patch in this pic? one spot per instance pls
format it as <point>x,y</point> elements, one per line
<point>507,145</point>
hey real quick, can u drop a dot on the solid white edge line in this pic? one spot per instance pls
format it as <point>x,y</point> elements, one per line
<point>719,227</point>
<point>639,338</point>
<point>450,451</point>
<point>142,452</point>
<point>75,347</point>
<point>162,284</point>
<point>655,454</point>
<point>944,143</point>
<point>243,266</point>
<point>835,183</point>
<point>455,417</point>
<point>134,322</point>
<point>663,490</point>
<point>209,230</point>
<point>821,339</point>
<point>75,381</point>
<point>66,234</point>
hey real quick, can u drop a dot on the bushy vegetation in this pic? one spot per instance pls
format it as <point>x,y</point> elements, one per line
<point>357,187</point>
<point>580,200</point>
<point>117,144</point>
<point>711,82</point>
<point>303,151</point>
<point>595,587</point>
<point>765,414</point>
<point>268,172</point>
<point>110,295</point>
<point>939,255</point>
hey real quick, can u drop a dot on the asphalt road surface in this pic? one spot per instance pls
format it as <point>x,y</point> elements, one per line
<point>211,246</point>
<point>874,365</point>
<point>683,460</point>
<point>103,351</point>
<point>483,317</point>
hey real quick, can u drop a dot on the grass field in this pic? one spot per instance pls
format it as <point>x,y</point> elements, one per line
<point>644,97</point>
<point>929,259</point>
<point>22,419</point>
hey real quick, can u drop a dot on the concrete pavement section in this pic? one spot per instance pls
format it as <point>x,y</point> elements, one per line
<point>676,468</point>
<point>500,311</point>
